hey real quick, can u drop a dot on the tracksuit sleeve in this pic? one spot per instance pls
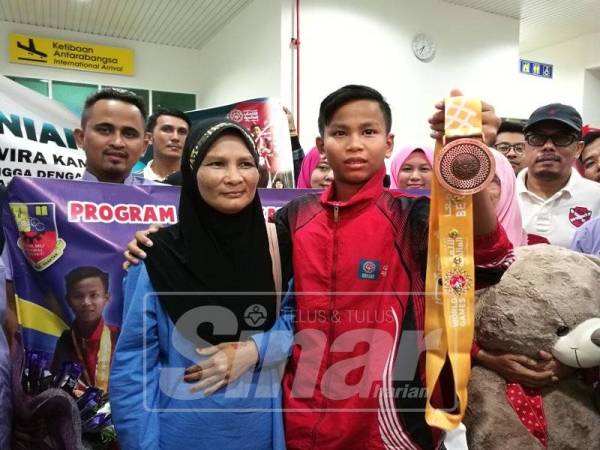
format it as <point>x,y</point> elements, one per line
<point>134,373</point>
<point>493,255</point>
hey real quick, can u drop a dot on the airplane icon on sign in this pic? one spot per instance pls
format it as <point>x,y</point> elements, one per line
<point>32,51</point>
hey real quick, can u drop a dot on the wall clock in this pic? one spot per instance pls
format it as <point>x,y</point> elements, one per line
<point>423,47</point>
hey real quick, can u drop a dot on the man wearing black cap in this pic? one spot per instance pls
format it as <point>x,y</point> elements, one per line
<point>554,199</point>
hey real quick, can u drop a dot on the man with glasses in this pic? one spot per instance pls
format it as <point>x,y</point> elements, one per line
<point>554,199</point>
<point>510,141</point>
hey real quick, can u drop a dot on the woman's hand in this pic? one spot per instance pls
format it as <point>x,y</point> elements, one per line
<point>227,363</point>
<point>518,368</point>
<point>134,253</point>
<point>560,371</point>
<point>490,121</point>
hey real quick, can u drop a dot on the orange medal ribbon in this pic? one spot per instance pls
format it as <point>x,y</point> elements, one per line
<point>463,167</point>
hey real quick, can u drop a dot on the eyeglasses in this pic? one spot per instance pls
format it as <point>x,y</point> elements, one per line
<point>504,148</point>
<point>560,140</point>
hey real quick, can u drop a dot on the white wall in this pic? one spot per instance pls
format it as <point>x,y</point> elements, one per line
<point>157,67</point>
<point>354,41</point>
<point>243,60</point>
<point>591,97</point>
<point>571,84</point>
<point>566,86</point>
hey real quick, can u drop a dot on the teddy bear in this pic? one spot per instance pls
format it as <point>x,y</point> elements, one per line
<point>548,299</point>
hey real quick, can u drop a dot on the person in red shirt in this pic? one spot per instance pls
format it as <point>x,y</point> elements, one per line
<point>356,374</point>
<point>89,341</point>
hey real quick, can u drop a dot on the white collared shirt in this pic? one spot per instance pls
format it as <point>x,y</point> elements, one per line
<point>557,218</point>
<point>149,174</point>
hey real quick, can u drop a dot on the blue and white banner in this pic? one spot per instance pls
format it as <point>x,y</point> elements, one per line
<point>36,136</point>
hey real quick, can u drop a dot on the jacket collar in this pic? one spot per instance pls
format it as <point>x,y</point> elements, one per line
<point>371,190</point>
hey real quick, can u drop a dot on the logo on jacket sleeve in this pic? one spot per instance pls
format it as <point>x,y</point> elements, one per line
<point>579,215</point>
<point>368,269</point>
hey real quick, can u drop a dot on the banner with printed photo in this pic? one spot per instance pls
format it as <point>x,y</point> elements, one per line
<point>66,240</point>
<point>265,119</point>
<point>36,136</point>
<point>62,233</point>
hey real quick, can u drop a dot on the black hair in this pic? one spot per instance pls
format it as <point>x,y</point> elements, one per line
<point>590,137</point>
<point>83,272</point>
<point>121,95</point>
<point>511,126</point>
<point>587,140</point>
<point>151,123</point>
<point>347,94</point>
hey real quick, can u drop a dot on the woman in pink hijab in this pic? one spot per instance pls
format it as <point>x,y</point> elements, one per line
<point>504,197</point>
<point>411,168</point>
<point>315,172</point>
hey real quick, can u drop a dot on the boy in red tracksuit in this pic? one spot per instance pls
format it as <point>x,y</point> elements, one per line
<point>356,375</point>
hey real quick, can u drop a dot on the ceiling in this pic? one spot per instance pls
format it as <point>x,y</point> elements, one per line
<point>178,23</point>
<point>192,23</point>
<point>544,22</point>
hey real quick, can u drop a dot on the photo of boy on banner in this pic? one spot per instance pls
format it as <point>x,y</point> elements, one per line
<point>89,341</point>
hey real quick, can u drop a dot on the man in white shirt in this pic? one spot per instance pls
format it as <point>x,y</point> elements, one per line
<point>554,199</point>
<point>168,130</point>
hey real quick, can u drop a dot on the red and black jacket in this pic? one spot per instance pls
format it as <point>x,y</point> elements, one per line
<point>356,375</point>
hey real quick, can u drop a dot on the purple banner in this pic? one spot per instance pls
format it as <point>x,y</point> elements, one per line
<point>55,227</point>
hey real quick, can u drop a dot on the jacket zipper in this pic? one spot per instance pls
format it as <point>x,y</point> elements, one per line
<point>336,217</point>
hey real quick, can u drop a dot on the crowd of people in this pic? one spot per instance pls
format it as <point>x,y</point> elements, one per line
<point>335,255</point>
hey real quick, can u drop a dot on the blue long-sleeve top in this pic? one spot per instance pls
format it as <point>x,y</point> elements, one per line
<point>153,408</point>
